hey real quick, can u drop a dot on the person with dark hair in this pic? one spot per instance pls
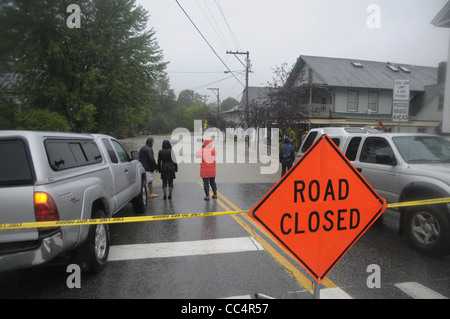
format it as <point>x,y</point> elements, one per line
<point>287,155</point>
<point>167,166</point>
<point>147,159</point>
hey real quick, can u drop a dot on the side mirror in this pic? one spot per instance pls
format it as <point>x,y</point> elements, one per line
<point>135,155</point>
<point>385,159</point>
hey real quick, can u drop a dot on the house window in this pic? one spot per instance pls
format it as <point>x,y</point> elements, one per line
<point>373,101</point>
<point>352,101</point>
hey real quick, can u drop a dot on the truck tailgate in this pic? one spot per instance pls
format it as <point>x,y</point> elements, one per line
<point>17,206</point>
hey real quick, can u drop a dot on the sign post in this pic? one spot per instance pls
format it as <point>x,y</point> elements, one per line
<point>319,209</point>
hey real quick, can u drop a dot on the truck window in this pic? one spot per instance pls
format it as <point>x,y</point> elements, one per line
<point>336,140</point>
<point>309,141</point>
<point>352,148</point>
<point>15,164</point>
<point>373,146</point>
<point>91,151</point>
<point>123,155</point>
<point>110,150</point>
<point>64,154</point>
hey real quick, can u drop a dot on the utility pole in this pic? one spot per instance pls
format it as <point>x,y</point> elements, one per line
<point>247,70</point>
<point>205,123</point>
<point>218,99</point>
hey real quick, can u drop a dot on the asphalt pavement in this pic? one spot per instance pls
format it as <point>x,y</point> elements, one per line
<point>230,256</point>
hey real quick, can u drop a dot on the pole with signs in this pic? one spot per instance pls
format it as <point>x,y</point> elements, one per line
<point>400,105</point>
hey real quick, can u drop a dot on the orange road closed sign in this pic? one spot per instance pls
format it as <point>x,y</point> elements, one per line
<point>320,208</point>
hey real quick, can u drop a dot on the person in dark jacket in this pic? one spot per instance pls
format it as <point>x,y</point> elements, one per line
<point>147,159</point>
<point>167,166</point>
<point>287,155</point>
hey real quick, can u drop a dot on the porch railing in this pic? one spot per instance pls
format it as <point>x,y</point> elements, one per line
<point>317,110</point>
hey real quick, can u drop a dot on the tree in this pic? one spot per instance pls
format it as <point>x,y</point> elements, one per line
<point>189,98</point>
<point>228,104</point>
<point>280,103</point>
<point>100,77</point>
<point>42,120</point>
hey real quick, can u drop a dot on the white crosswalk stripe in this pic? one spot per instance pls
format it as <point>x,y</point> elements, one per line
<point>333,293</point>
<point>418,291</point>
<point>238,244</point>
<point>183,248</point>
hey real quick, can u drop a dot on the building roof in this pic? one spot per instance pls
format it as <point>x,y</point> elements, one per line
<point>255,93</point>
<point>8,82</point>
<point>442,19</point>
<point>353,73</point>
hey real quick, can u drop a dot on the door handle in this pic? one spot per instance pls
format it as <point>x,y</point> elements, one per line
<point>126,171</point>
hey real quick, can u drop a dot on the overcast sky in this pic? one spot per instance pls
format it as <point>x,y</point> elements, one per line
<point>276,32</point>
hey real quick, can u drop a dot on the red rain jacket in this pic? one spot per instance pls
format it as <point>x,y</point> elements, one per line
<point>208,155</point>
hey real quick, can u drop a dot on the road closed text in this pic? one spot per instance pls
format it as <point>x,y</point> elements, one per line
<point>342,218</point>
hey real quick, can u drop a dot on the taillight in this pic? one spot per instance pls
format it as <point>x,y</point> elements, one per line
<point>45,209</point>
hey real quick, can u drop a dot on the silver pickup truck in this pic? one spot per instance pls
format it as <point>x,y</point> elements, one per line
<point>61,176</point>
<point>402,167</point>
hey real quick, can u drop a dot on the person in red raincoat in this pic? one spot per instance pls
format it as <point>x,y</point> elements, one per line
<point>208,167</point>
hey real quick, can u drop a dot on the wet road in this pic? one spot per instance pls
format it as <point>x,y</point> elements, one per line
<point>229,256</point>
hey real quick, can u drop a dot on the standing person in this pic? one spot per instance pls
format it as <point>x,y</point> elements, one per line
<point>147,159</point>
<point>287,155</point>
<point>208,168</point>
<point>167,166</point>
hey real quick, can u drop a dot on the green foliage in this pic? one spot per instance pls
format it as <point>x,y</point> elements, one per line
<point>228,104</point>
<point>99,77</point>
<point>8,114</point>
<point>106,76</point>
<point>42,120</point>
<point>189,98</point>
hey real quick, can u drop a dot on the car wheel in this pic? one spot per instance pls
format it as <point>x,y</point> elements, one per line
<point>427,230</point>
<point>99,244</point>
<point>92,255</point>
<point>140,202</point>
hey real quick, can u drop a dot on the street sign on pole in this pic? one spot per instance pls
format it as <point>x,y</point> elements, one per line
<point>401,90</point>
<point>319,209</point>
<point>400,105</point>
<point>400,111</point>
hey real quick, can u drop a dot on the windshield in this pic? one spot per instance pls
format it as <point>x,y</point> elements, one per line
<point>423,149</point>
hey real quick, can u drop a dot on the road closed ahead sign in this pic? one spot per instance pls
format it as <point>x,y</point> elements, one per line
<point>320,208</point>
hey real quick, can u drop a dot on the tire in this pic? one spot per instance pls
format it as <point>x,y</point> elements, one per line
<point>140,202</point>
<point>92,255</point>
<point>427,230</point>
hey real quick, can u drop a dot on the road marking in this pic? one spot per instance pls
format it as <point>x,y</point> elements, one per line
<point>239,297</point>
<point>418,291</point>
<point>291,269</point>
<point>333,293</point>
<point>183,248</point>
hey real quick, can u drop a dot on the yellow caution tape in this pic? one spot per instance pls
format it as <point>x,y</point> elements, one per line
<point>117,220</point>
<point>421,202</point>
<point>80,222</point>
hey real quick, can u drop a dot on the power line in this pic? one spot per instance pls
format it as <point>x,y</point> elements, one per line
<point>228,25</point>
<point>208,84</point>
<point>184,11</point>
<point>219,31</point>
